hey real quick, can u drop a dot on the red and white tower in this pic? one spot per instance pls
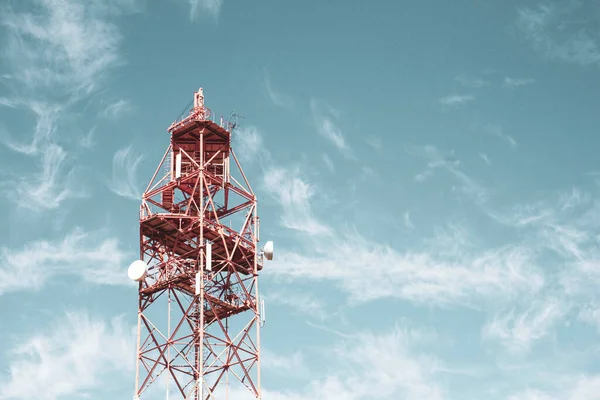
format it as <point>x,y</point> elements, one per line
<point>199,315</point>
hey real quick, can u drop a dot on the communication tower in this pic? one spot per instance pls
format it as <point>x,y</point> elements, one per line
<point>199,310</point>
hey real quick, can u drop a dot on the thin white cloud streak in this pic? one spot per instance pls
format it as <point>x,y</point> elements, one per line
<point>89,256</point>
<point>87,141</point>
<point>329,330</point>
<point>513,83</point>
<point>565,240</point>
<point>51,187</point>
<point>368,174</point>
<point>455,100</point>
<point>497,131</point>
<point>471,82</point>
<point>75,357</point>
<point>277,98</point>
<point>116,109</point>
<point>518,331</point>
<point>124,168</point>
<point>324,116</point>
<point>45,128</point>
<point>295,196</point>
<point>447,161</point>
<point>374,141</point>
<point>328,163</point>
<point>556,31</point>
<point>485,158</point>
<point>407,220</point>
<point>333,133</point>
<point>469,186</point>
<point>573,199</point>
<point>10,103</point>
<point>523,215</point>
<point>211,7</point>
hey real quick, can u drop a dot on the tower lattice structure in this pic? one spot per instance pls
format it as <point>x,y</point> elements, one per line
<point>199,308</point>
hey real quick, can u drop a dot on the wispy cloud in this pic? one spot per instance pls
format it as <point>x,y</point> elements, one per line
<point>455,100</point>
<point>565,227</point>
<point>579,387</point>
<point>368,174</point>
<point>374,141</point>
<point>58,355</point>
<point>518,331</point>
<point>303,302</point>
<point>249,144</point>
<point>124,169</point>
<point>284,364</point>
<point>531,394</point>
<point>324,117</point>
<point>10,103</point>
<point>437,160</point>
<point>443,274</point>
<point>389,362</point>
<point>497,131</point>
<point>591,314</point>
<point>87,141</point>
<point>485,158</point>
<point>574,198</point>
<point>471,82</point>
<point>211,7</point>
<point>328,163</point>
<point>512,83</point>
<point>48,189</point>
<point>407,220</point>
<point>523,215</point>
<point>56,55</point>
<point>79,45</point>
<point>90,256</point>
<point>295,195</point>
<point>56,181</point>
<point>117,109</point>
<point>46,117</point>
<point>408,374</point>
<point>562,31</point>
<point>447,161</point>
<point>276,97</point>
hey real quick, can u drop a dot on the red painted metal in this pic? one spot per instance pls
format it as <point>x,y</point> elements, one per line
<point>199,319</point>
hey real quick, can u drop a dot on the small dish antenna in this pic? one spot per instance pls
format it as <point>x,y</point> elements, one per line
<point>268,250</point>
<point>137,270</point>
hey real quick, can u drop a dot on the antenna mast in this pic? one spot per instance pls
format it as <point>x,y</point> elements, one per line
<point>199,310</point>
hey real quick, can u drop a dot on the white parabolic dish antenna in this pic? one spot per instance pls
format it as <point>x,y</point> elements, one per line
<point>268,249</point>
<point>137,270</point>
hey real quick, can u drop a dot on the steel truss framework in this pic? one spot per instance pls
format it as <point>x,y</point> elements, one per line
<point>205,272</point>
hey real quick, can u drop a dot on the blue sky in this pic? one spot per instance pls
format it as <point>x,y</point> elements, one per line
<point>428,171</point>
